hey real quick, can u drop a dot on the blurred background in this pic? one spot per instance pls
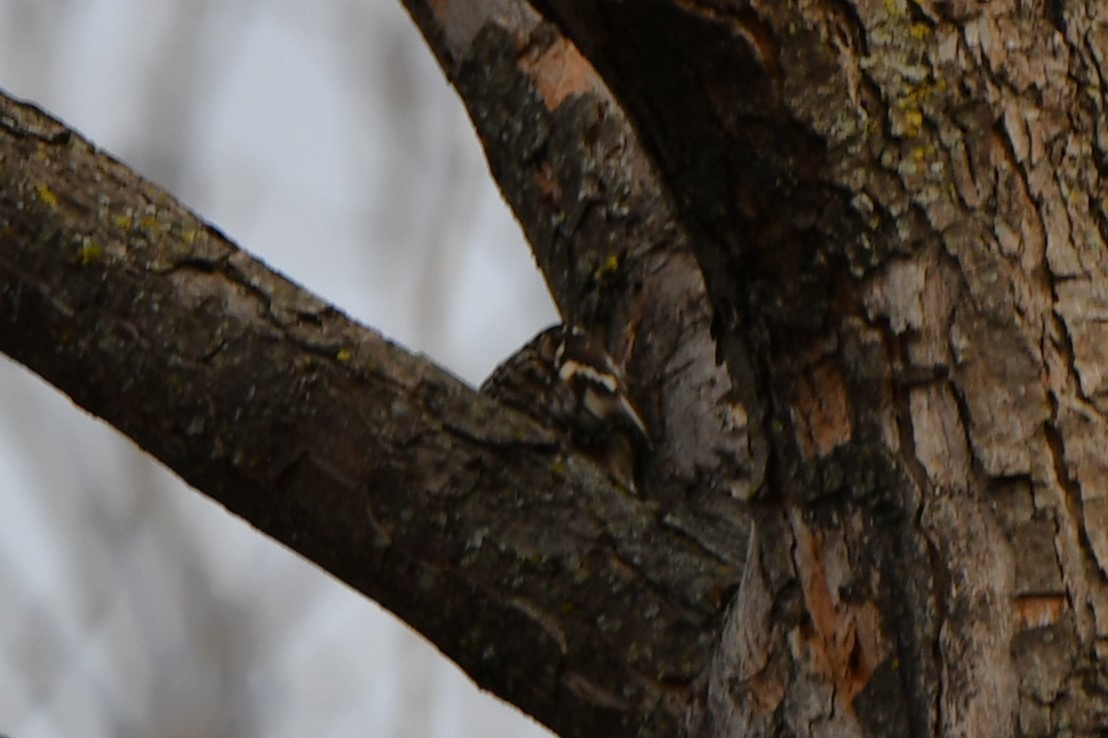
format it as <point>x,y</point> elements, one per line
<point>321,137</point>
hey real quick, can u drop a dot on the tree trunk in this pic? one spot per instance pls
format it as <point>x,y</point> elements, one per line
<point>851,256</point>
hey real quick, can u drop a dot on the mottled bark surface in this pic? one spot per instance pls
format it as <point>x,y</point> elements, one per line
<point>852,257</point>
<point>898,212</point>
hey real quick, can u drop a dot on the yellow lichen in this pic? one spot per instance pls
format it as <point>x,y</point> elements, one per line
<point>88,252</point>
<point>45,195</point>
<point>608,267</point>
<point>913,120</point>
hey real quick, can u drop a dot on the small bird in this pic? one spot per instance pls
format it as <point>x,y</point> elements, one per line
<point>564,379</point>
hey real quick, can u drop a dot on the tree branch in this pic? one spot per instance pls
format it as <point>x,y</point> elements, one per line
<point>605,231</point>
<point>549,586</point>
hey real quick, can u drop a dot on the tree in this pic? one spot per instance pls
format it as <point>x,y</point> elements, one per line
<point>849,255</point>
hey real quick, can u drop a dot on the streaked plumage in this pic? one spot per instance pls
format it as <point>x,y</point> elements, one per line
<point>564,379</point>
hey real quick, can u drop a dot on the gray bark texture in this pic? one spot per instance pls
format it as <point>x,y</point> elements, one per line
<point>852,258</point>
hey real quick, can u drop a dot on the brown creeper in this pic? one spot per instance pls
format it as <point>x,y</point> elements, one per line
<point>565,380</point>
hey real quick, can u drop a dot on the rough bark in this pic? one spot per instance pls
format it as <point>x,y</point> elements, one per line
<point>898,212</point>
<point>883,513</point>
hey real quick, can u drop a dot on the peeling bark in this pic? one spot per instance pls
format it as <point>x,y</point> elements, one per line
<point>898,210</point>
